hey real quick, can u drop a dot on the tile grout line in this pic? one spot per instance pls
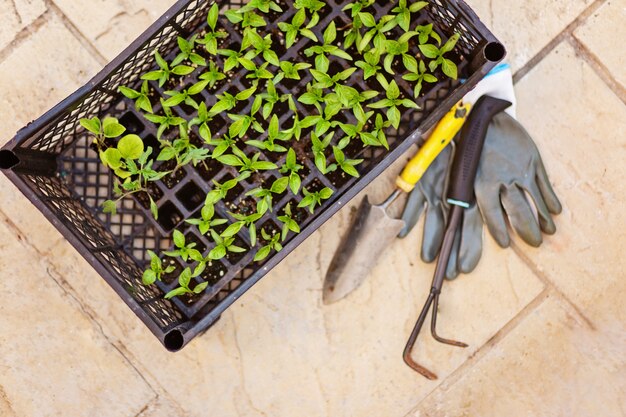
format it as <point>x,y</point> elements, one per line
<point>23,35</point>
<point>561,36</point>
<point>68,290</point>
<point>548,282</point>
<point>82,39</point>
<point>596,64</point>
<point>487,347</point>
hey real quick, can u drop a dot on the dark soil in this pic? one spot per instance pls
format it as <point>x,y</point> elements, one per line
<point>214,271</point>
<point>173,179</point>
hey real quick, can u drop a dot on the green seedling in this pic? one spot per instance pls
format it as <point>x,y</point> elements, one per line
<point>426,32</point>
<point>184,280</point>
<point>319,150</point>
<point>392,102</point>
<point>212,36</point>
<point>221,145</point>
<point>313,7</point>
<point>346,165</point>
<point>142,101</point>
<point>263,6</point>
<point>291,167</point>
<point>227,101</point>
<point>202,120</point>
<point>375,30</point>
<point>357,6</point>
<point>321,52</point>
<point>314,96</point>
<point>437,56</point>
<point>240,160</point>
<point>418,74</point>
<point>273,243</point>
<point>241,125</point>
<point>403,13</point>
<point>271,98</point>
<point>298,126</point>
<point>206,222</point>
<point>187,52</point>
<point>324,80</point>
<point>245,19</point>
<point>260,45</point>
<point>347,97</point>
<point>108,128</point>
<point>399,48</point>
<point>166,121</point>
<point>273,134</point>
<point>290,71</point>
<point>256,73</point>
<point>156,271</point>
<point>182,151</point>
<point>266,196</point>
<point>208,79</point>
<point>220,191</point>
<point>178,97</point>
<point>183,250</point>
<point>244,221</point>
<point>163,74</point>
<point>312,200</point>
<point>295,28</point>
<point>223,245</point>
<point>371,67</point>
<point>289,224</point>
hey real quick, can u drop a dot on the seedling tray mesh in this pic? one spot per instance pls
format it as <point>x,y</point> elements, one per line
<point>53,164</point>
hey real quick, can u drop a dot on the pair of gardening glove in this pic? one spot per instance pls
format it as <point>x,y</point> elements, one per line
<point>511,183</point>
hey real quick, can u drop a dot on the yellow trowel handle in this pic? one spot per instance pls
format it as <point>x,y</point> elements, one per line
<point>444,132</point>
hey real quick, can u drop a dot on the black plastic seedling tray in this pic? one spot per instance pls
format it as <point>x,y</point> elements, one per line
<point>52,163</point>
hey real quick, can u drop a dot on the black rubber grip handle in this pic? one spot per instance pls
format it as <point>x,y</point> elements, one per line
<point>470,147</point>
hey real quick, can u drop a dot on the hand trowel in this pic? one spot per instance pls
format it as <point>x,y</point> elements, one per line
<point>373,229</point>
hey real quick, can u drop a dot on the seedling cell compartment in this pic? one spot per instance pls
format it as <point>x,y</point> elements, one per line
<point>52,163</point>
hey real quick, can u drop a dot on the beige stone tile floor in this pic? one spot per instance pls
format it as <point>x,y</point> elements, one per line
<point>546,327</point>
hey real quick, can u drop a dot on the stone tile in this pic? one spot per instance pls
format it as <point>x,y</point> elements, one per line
<point>525,27</point>
<point>111,25</point>
<point>5,405</point>
<point>340,360</point>
<point>16,15</point>
<point>33,226</point>
<point>551,364</point>
<point>600,34</point>
<point>54,360</point>
<point>580,127</point>
<point>45,69</point>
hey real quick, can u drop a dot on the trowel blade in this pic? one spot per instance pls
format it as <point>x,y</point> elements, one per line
<point>370,234</point>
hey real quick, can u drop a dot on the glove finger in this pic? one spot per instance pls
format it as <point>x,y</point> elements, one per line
<point>412,210</point>
<point>434,227</point>
<point>493,214</point>
<point>545,218</point>
<point>471,247</point>
<point>549,196</point>
<point>521,215</point>
<point>452,270</point>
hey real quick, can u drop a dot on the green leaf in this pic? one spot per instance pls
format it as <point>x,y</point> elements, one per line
<point>330,34</point>
<point>154,209</point>
<point>149,277</point>
<point>450,44</point>
<point>230,160</point>
<point>245,94</point>
<point>233,229</point>
<point>280,185</point>
<point>213,15</point>
<point>217,252</point>
<point>175,293</point>
<point>111,158</point>
<point>179,239</point>
<point>129,92</point>
<point>200,287</point>
<point>182,70</point>
<point>273,129</point>
<point>262,253</point>
<point>325,193</point>
<point>294,183</point>
<point>185,277</point>
<point>109,206</point>
<point>393,114</point>
<point>92,125</point>
<point>449,68</point>
<point>112,128</point>
<point>393,91</point>
<point>367,19</point>
<point>130,147</point>
<point>429,51</point>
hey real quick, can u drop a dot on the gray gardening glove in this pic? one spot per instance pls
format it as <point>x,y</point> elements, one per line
<point>429,196</point>
<point>510,167</point>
